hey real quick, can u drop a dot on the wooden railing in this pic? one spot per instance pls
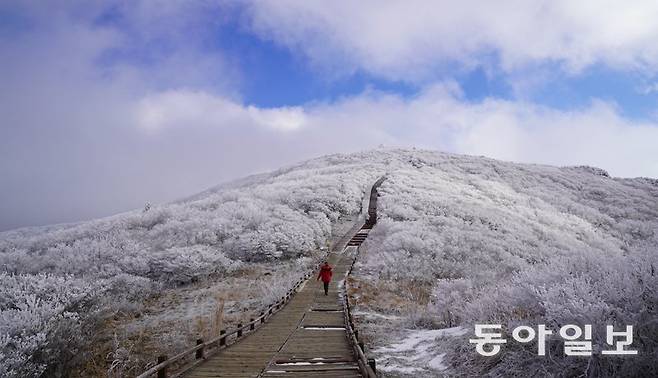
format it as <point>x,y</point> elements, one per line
<point>204,349</point>
<point>367,366</point>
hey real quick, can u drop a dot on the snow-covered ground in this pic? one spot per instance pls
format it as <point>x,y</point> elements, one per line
<point>460,240</point>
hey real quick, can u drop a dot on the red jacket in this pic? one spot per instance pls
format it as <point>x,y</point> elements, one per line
<point>325,273</point>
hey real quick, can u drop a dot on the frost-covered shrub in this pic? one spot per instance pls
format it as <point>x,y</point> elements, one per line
<point>520,245</point>
<point>278,216</point>
<point>188,264</point>
<point>41,329</point>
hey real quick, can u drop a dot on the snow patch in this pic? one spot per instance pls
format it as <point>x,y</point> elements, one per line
<point>436,363</point>
<point>416,351</point>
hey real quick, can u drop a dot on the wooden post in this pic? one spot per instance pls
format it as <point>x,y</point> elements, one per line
<point>252,326</point>
<point>199,352</point>
<point>162,373</point>
<point>262,317</point>
<point>373,365</point>
<point>270,311</point>
<point>218,317</point>
<point>239,330</point>
<point>222,341</point>
<point>363,349</point>
<point>356,334</point>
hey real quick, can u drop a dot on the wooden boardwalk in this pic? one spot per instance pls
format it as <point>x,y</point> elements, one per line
<point>306,338</point>
<point>309,337</point>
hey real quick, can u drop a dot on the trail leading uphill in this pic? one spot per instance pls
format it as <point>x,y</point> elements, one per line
<point>308,337</point>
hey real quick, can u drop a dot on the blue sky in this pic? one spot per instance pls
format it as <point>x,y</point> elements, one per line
<point>279,77</point>
<point>106,106</point>
<point>275,76</point>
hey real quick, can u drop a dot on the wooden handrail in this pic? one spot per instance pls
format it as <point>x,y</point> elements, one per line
<point>250,326</point>
<point>364,363</point>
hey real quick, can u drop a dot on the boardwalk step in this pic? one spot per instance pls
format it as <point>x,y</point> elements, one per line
<point>323,327</point>
<point>323,374</point>
<point>329,360</point>
<point>313,368</point>
<point>325,310</point>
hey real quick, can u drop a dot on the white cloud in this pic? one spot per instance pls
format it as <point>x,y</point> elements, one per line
<point>410,40</point>
<point>284,118</point>
<point>71,75</point>
<point>438,118</point>
<point>184,108</point>
<point>509,130</point>
<point>648,89</point>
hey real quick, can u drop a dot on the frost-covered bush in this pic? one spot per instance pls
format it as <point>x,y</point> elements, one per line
<point>41,326</point>
<point>519,245</point>
<point>281,215</point>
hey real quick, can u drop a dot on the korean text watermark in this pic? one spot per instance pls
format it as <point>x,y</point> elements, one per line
<point>577,340</point>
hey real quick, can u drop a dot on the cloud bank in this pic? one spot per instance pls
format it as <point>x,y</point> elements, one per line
<point>438,118</point>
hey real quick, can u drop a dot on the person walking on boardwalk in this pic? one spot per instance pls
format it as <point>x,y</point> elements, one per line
<point>325,274</point>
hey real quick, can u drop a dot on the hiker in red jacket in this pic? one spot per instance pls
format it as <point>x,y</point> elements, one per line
<point>325,274</point>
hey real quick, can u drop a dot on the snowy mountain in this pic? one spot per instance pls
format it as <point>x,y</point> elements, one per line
<point>460,240</point>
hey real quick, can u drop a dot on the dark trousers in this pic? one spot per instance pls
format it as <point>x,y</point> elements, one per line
<point>326,288</point>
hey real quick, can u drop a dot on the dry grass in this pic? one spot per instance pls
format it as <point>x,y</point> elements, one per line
<point>387,296</point>
<point>128,342</point>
